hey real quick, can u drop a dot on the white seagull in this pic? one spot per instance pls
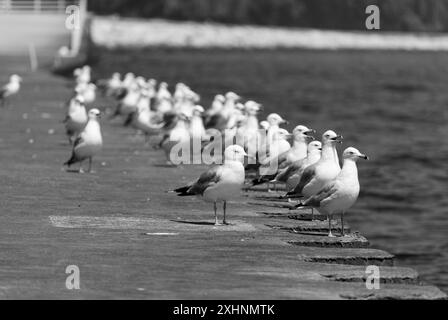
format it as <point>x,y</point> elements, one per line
<point>11,88</point>
<point>76,118</point>
<point>88,143</point>
<point>297,152</point>
<point>340,194</point>
<point>316,176</point>
<point>291,176</point>
<point>220,183</point>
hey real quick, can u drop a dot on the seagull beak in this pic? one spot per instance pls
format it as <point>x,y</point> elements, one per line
<point>309,132</point>
<point>338,138</point>
<point>284,121</point>
<point>363,156</point>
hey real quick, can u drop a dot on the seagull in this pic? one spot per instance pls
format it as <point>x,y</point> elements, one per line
<point>217,105</point>
<point>297,152</point>
<point>87,90</point>
<point>129,101</point>
<point>225,117</point>
<point>340,194</point>
<point>220,183</point>
<point>83,75</point>
<point>178,136</point>
<point>274,120</point>
<point>323,171</point>
<point>88,143</point>
<point>142,118</point>
<point>11,88</point>
<point>76,118</point>
<point>164,99</point>
<point>247,134</point>
<point>291,176</point>
<point>197,130</point>
<point>110,87</point>
<point>278,146</point>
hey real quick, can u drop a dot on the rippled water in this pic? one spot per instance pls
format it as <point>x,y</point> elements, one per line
<point>392,106</point>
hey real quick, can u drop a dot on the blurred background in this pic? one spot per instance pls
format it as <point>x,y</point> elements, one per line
<point>397,15</point>
<point>313,62</point>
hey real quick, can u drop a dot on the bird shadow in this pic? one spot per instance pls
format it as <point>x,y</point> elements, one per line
<point>200,223</point>
<point>73,171</point>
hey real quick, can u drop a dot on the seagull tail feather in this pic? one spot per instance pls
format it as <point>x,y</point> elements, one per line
<point>262,179</point>
<point>71,161</point>
<point>183,191</point>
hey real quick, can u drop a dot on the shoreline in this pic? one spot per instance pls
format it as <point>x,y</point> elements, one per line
<point>113,32</point>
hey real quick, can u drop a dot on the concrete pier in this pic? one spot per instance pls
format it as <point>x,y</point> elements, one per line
<point>132,239</point>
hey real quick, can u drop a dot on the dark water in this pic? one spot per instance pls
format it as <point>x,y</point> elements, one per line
<point>392,106</point>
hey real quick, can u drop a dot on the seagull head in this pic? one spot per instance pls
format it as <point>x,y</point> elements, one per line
<point>15,78</point>
<point>129,76</point>
<point>116,76</point>
<point>314,147</point>
<point>282,134</point>
<point>264,124</point>
<point>152,82</point>
<point>220,98</point>
<point>275,119</point>
<point>77,72</point>
<point>94,113</point>
<point>80,99</point>
<point>252,107</point>
<point>330,136</point>
<point>184,117</point>
<point>235,153</point>
<point>140,81</point>
<point>302,132</point>
<point>198,110</point>
<point>353,154</point>
<point>86,68</point>
<point>240,107</point>
<point>232,96</point>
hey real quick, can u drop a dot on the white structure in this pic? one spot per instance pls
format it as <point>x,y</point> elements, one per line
<point>40,28</point>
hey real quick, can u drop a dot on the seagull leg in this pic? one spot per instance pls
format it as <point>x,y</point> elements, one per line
<point>224,207</point>
<point>330,234</point>
<point>342,224</point>
<point>90,165</point>
<point>80,167</point>
<point>216,214</point>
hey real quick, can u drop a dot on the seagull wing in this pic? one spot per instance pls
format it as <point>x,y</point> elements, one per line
<point>79,141</point>
<point>73,159</point>
<point>283,160</point>
<point>325,194</point>
<point>207,179</point>
<point>293,168</point>
<point>3,91</point>
<point>307,176</point>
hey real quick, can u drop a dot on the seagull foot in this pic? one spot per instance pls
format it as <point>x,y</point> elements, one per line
<point>331,235</point>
